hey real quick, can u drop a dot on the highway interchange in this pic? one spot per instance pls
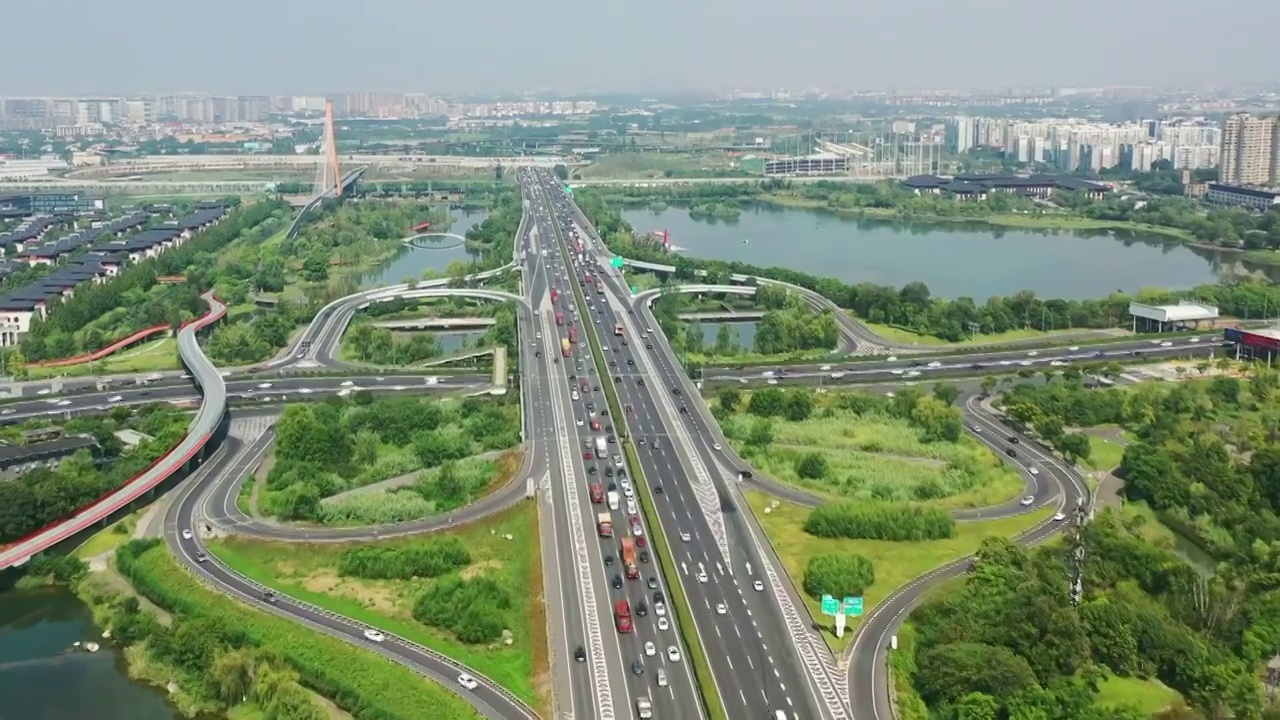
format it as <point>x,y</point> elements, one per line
<point>763,654</point>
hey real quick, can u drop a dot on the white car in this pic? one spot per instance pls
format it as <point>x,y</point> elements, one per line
<point>649,649</point>
<point>664,624</point>
<point>1033,353</point>
<point>716,446</point>
<point>63,403</point>
<point>685,537</point>
<point>721,609</point>
<point>660,609</point>
<point>1026,500</point>
<point>626,490</point>
<point>742,381</point>
<point>673,653</point>
<point>347,383</point>
<point>772,381</point>
<point>186,534</point>
<point>702,577</point>
<point>468,682</point>
<point>264,386</point>
<point>305,391</point>
<point>631,507</point>
<point>758,586</point>
<point>825,368</point>
<point>374,635</point>
<point>7,411</point>
<point>115,398</point>
<point>1073,348</point>
<point>934,364</point>
<point>891,358</point>
<point>1059,516</point>
<point>1033,471</point>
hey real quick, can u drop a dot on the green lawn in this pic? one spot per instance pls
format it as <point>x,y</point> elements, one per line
<point>1104,453</point>
<point>308,573</point>
<point>152,356</point>
<point>873,457</point>
<point>899,335</point>
<point>109,537</point>
<point>895,563</point>
<point>654,165</point>
<point>1149,696</point>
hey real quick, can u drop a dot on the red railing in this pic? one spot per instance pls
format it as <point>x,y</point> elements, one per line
<point>103,352</point>
<point>123,495</point>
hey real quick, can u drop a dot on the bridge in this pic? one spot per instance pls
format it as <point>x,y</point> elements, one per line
<point>723,316</point>
<point>465,323</point>
<point>420,241</point>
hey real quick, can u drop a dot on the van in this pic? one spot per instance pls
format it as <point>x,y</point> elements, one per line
<point>779,715</point>
<point>662,677</point>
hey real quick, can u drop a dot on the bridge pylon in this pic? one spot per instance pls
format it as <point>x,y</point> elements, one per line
<point>328,175</point>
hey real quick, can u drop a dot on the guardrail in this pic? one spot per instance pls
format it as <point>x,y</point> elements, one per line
<point>198,434</point>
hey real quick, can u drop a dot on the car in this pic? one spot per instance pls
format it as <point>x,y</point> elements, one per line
<point>642,610</point>
<point>608,559</point>
<point>468,682</point>
<point>1059,516</point>
<point>201,557</point>
<point>1033,470</point>
<point>186,534</point>
<point>617,582</point>
<point>660,608</point>
<point>652,582</point>
<point>673,653</point>
<point>1027,500</point>
<point>115,398</point>
<point>662,677</point>
<point>373,635</point>
<point>649,649</point>
<point>264,386</point>
<point>586,456</point>
<point>702,576</point>
<point>63,403</point>
<point>637,667</point>
<point>269,596</point>
<point>664,624</point>
<point>644,554</point>
<point>685,537</point>
<point>758,586</point>
<point>721,609</point>
<point>716,446</point>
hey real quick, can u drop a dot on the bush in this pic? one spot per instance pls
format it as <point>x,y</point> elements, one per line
<point>812,466</point>
<point>873,521</point>
<point>474,610</point>
<point>427,560</point>
<point>839,575</point>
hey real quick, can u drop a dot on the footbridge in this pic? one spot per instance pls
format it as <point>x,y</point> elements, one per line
<point>420,241</point>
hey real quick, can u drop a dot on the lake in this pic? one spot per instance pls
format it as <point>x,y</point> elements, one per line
<point>41,678</point>
<point>954,261</point>
<point>413,261</point>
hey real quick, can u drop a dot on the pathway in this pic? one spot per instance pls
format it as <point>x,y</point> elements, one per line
<point>406,479</point>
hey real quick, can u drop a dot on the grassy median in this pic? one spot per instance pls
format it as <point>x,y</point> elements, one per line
<point>708,693</point>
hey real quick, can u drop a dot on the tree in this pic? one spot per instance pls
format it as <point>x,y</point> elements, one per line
<point>838,574</point>
<point>760,435</point>
<point>1073,446</point>
<point>989,383</point>
<point>730,398</point>
<point>948,394</point>
<point>812,466</point>
<point>693,340</point>
<point>726,340</point>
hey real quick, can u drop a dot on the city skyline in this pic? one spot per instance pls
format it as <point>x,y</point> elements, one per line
<point>324,46</point>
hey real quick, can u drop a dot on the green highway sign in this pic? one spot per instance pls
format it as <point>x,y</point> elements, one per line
<point>830,606</point>
<point>634,290</point>
<point>615,261</point>
<point>853,606</point>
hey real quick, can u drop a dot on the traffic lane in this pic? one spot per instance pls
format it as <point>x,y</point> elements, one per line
<point>990,361</point>
<point>1058,469</point>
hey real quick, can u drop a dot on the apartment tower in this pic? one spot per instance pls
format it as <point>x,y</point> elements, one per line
<point>1250,144</point>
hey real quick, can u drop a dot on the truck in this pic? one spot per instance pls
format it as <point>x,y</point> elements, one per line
<point>644,708</point>
<point>564,347</point>
<point>560,319</point>
<point>622,616</point>
<point>597,493</point>
<point>599,288</point>
<point>573,335</point>
<point>613,499</point>
<point>554,296</point>
<point>602,447</point>
<point>605,522</point>
<point>629,558</point>
<point>617,329</point>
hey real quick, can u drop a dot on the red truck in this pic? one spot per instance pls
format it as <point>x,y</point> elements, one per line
<point>573,336</point>
<point>629,558</point>
<point>622,616</point>
<point>560,318</point>
<point>605,522</point>
<point>554,296</point>
<point>597,493</point>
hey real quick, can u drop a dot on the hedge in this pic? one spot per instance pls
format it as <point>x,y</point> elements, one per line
<point>878,521</point>
<point>366,685</point>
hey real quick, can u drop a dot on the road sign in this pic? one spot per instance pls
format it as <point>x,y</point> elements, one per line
<point>568,190</point>
<point>615,261</point>
<point>634,290</point>
<point>829,605</point>
<point>853,606</point>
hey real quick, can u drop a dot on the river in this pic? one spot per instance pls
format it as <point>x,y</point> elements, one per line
<point>42,679</point>
<point>954,261</point>
<point>413,261</point>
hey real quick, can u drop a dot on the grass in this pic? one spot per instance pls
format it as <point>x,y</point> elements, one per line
<point>1104,453</point>
<point>896,334</point>
<point>878,457</point>
<point>753,358</point>
<point>1149,696</point>
<point>654,165</point>
<point>308,573</point>
<point>109,537</point>
<point>152,356</point>
<point>895,563</point>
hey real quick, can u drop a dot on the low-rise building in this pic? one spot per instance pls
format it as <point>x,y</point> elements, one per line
<point>978,186</point>
<point>1236,196</point>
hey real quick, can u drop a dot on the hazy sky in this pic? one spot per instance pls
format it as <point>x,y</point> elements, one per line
<point>289,46</point>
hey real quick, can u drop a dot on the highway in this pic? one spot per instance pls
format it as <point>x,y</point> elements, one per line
<point>571,402</point>
<point>745,631</point>
<point>274,390</point>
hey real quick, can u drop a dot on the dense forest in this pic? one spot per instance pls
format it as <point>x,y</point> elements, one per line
<point>1204,458</point>
<point>915,308</point>
<point>45,495</point>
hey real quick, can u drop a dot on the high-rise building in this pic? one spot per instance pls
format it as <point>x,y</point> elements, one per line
<point>1249,148</point>
<point>961,133</point>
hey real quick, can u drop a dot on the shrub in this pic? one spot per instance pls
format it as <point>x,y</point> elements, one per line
<point>812,466</point>
<point>874,521</point>
<point>426,560</point>
<point>474,610</point>
<point>838,574</point>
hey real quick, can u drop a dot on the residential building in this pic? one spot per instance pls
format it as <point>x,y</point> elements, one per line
<point>1249,147</point>
<point>1251,198</point>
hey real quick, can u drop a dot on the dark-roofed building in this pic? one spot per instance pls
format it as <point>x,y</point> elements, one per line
<point>1236,196</point>
<point>47,202</point>
<point>974,186</point>
<point>19,457</point>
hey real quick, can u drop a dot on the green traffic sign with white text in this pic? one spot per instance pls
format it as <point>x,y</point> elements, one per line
<point>853,606</point>
<point>829,605</point>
